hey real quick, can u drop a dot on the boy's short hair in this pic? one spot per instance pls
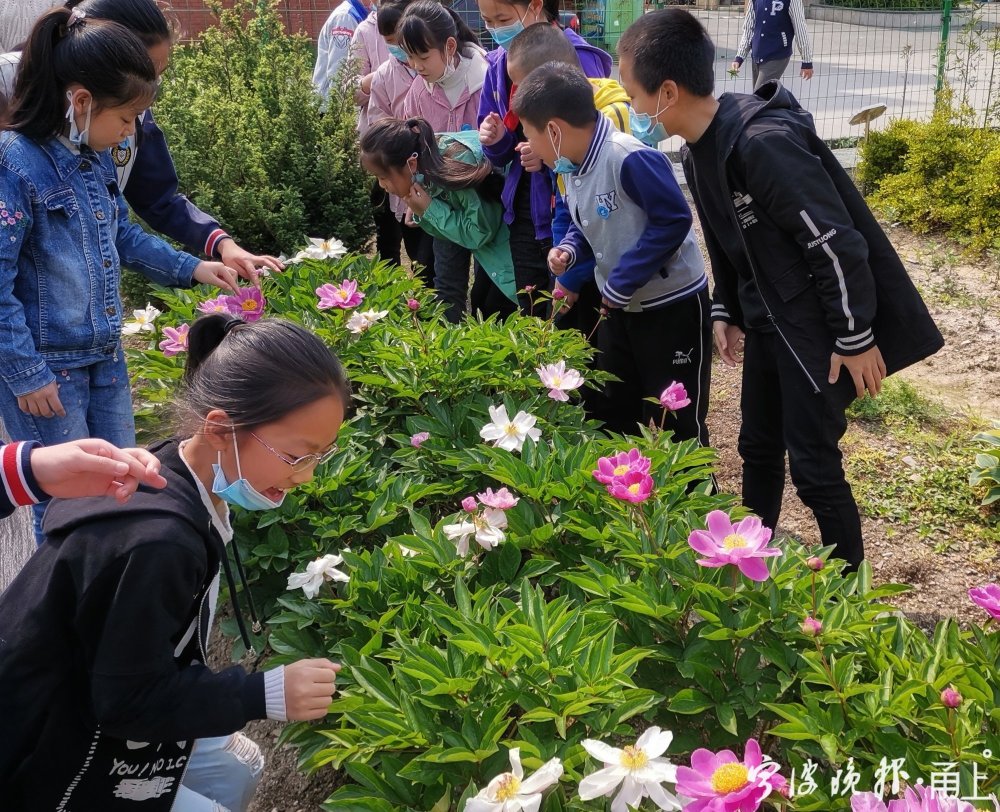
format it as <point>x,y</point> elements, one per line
<point>555,90</point>
<point>670,44</point>
<point>538,44</point>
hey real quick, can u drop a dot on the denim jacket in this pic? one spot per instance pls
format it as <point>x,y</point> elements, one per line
<point>64,234</point>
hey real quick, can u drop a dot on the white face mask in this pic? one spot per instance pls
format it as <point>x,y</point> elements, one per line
<point>446,79</point>
<point>76,135</point>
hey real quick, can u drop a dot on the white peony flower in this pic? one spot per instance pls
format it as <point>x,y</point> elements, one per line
<point>506,433</point>
<point>559,380</point>
<point>331,248</point>
<point>318,571</point>
<point>143,321</point>
<point>637,768</point>
<point>486,526</point>
<point>512,792</point>
<point>359,323</point>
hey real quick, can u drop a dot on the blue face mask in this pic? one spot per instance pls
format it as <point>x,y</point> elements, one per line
<point>397,52</point>
<point>503,35</point>
<point>641,125</point>
<point>240,492</point>
<point>76,135</point>
<point>562,165</point>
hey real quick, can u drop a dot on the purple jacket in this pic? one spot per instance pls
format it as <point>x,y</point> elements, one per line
<point>494,99</point>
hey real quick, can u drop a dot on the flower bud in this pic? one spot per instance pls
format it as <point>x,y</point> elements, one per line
<point>469,504</point>
<point>529,288</point>
<point>558,294</point>
<point>815,563</point>
<point>413,304</point>
<point>950,697</point>
<point>811,627</point>
<point>417,439</point>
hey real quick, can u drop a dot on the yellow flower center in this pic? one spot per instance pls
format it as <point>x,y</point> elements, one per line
<point>507,787</point>
<point>734,541</point>
<point>634,488</point>
<point>556,381</point>
<point>218,308</point>
<point>510,430</point>
<point>729,778</point>
<point>621,470</point>
<point>249,305</point>
<point>634,758</point>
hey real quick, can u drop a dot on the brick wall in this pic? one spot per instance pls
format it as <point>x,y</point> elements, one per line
<point>299,15</point>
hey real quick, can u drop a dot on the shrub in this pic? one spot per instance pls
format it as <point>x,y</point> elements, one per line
<point>884,152</point>
<point>987,470</point>
<point>248,139</point>
<point>592,618</point>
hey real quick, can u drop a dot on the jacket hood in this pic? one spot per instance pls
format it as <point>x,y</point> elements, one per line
<point>608,91</point>
<point>582,46</point>
<point>738,110</point>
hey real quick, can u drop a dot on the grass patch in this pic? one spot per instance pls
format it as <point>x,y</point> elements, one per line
<point>908,463</point>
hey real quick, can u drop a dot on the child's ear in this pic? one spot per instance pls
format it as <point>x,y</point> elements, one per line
<point>669,92</point>
<point>217,429</point>
<point>411,164</point>
<point>451,47</point>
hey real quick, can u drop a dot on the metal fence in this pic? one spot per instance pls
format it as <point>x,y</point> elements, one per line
<point>861,56</point>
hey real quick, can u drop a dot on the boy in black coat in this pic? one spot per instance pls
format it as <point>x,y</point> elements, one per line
<point>807,285</point>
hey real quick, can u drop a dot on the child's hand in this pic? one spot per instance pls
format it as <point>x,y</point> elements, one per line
<point>309,689</point>
<point>529,158</point>
<point>806,73</point>
<point>245,263</point>
<point>409,221</point>
<point>491,130</point>
<point>734,69</point>
<point>729,341</point>
<point>93,467</point>
<point>215,273</point>
<point>558,261</point>
<point>418,200</point>
<point>867,370</point>
<point>42,402</point>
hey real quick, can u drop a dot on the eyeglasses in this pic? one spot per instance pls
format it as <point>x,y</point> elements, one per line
<point>303,462</point>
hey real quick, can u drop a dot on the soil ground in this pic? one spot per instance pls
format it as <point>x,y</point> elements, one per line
<point>964,377</point>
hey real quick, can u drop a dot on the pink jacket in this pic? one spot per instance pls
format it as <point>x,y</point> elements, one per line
<point>368,52</point>
<point>390,84</point>
<point>434,105</point>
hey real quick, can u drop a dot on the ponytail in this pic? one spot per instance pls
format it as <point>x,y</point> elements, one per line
<point>426,26</point>
<point>66,47</point>
<point>257,373</point>
<point>390,143</point>
<point>144,18</point>
<point>389,13</point>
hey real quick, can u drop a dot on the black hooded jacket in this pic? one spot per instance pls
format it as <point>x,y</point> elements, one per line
<point>103,682</point>
<point>793,245</point>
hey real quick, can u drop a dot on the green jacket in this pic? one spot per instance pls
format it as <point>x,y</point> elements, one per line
<point>463,217</point>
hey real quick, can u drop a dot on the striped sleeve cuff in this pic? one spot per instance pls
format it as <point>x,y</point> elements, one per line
<point>614,296</point>
<point>19,483</point>
<point>807,65</point>
<point>719,313</point>
<point>212,243</point>
<point>569,249</point>
<point>274,694</point>
<point>855,344</point>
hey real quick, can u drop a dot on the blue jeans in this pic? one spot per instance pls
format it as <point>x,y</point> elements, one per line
<point>222,775</point>
<point>97,402</point>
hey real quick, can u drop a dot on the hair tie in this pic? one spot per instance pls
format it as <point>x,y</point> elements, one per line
<point>231,325</point>
<point>75,18</point>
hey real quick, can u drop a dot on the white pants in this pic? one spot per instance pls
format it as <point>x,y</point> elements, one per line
<point>222,775</point>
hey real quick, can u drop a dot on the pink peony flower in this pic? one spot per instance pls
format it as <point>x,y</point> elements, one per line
<point>559,379</point>
<point>417,439</point>
<point>674,397</point>
<point>558,294</point>
<point>220,304</point>
<point>987,598</point>
<point>812,627</point>
<point>720,782</point>
<point>743,544</point>
<point>632,487</point>
<point>413,304</point>
<point>176,340</point>
<point>950,697</point>
<point>815,563</point>
<point>469,504</point>
<point>622,463</point>
<point>918,798</point>
<point>501,500</point>
<point>344,296</point>
<point>248,303</point>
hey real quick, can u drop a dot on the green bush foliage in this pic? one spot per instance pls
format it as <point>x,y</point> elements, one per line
<point>248,139</point>
<point>986,474</point>
<point>592,619</point>
<point>943,174</point>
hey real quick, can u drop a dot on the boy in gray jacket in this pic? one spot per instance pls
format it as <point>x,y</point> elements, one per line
<point>630,217</point>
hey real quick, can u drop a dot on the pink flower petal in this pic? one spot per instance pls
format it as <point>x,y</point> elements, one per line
<point>719,524</point>
<point>754,568</point>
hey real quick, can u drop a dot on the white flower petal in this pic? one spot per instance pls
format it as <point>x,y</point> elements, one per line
<point>525,803</point>
<point>630,795</point>
<point>482,804</point>
<point>130,328</point>
<point>665,800</point>
<point>602,752</point>
<point>603,782</point>
<point>498,414</point>
<point>515,763</point>
<point>654,742</point>
<point>658,769</point>
<point>544,777</point>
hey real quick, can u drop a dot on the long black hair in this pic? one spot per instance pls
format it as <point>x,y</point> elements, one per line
<point>144,18</point>
<point>257,373</point>
<point>389,13</point>
<point>390,143</point>
<point>426,26</point>
<point>67,47</point>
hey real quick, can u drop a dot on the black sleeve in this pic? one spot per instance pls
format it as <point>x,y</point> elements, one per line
<point>130,620</point>
<point>809,209</point>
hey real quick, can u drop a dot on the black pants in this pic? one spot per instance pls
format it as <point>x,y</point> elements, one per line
<point>487,298</point>
<point>452,263</point>
<point>390,233</point>
<point>781,411</point>
<point>529,254</point>
<point>649,350</point>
